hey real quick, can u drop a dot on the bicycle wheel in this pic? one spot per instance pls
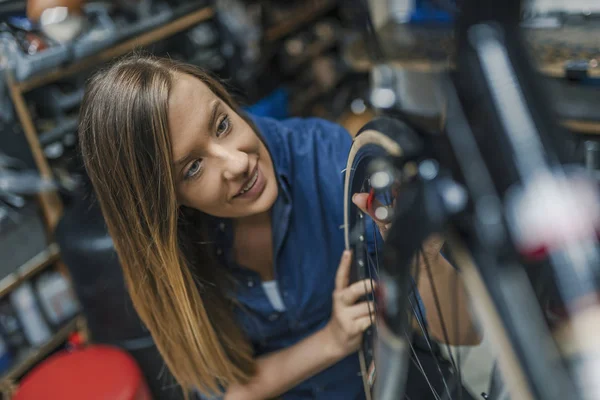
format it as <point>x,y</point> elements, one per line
<point>367,146</point>
<point>383,146</point>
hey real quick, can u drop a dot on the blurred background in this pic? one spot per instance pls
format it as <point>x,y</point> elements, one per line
<point>60,281</point>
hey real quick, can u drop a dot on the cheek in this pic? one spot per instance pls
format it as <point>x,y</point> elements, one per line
<point>245,135</point>
<point>198,195</point>
<point>252,143</point>
<point>265,157</point>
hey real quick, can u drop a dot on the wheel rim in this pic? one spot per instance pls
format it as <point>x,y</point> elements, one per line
<point>370,146</point>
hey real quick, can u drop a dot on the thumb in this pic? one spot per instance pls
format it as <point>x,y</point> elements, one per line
<point>360,201</point>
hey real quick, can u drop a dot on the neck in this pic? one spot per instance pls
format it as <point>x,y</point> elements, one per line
<point>253,246</point>
<point>253,220</point>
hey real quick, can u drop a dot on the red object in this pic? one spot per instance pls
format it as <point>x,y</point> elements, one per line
<point>535,253</point>
<point>76,340</point>
<point>92,373</point>
<point>370,202</point>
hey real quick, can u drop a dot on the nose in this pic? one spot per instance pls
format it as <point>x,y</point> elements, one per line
<point>236,163</point>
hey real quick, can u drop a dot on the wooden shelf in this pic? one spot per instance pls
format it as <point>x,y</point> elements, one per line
<point>312,93</point>
<point>120,49</point>
<point>422,48</point>
<point>32,357</point>
<point>50,202</point>
<point>583,127</point>
<point>302,17</point>
<point>35,265</point>
<point>313,50</point>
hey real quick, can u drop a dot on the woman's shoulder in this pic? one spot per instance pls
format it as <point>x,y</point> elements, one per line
<point>302,135</point>
<point>308,147</point>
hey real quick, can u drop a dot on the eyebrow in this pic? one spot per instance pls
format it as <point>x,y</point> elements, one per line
<point>214,107</point>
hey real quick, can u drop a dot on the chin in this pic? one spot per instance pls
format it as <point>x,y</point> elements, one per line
<point>266,201</point>
<point>269,196</point>
<point>259,206</point>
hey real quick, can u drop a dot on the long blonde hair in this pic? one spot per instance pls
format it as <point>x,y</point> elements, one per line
<point>173,278</point>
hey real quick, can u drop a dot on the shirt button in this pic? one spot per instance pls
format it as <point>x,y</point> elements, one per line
<point>250,283</point>
<point>222,226</point>
<point>273,317</point>
<point>219,252</point>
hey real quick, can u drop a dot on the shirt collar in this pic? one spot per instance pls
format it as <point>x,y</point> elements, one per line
<point>271,131</point>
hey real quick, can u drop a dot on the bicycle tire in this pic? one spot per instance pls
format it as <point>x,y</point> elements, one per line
<point>387,137</point>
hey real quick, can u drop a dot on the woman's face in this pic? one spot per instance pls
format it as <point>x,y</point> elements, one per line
<point>221,167</point>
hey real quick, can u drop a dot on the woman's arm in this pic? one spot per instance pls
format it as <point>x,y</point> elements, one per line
<point>280,371</point>
<point>454,310</point>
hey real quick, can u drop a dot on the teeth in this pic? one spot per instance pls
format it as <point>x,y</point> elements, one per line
<point>250,184</point>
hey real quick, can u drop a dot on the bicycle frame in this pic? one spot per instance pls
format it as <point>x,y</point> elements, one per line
<point>494,147</point>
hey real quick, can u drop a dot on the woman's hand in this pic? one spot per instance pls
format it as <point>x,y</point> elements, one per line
<point>432,245</point>
<point>281,370</point>
<point>349,319</point>
<point>360,201</point>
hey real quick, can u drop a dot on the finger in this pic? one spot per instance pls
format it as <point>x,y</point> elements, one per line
<point>358,289</point>
<point>360,201</point>
<point>379,212</point>
<point>434,243</point>
<point>361,324</point>
<point>343,272</point>
<point>363,309</point>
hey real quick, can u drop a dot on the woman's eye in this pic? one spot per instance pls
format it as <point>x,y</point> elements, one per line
<point>223,126</point>
<point>193,169</point>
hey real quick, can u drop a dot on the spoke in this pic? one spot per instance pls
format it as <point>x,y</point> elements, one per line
<point>372,266</point>
<point>438,309</point>
<point>427,340</point>
<point>369,263</point>
<point>420,318</point>
<point>365,257</point>
<point>419,366</point>
<point>371,312</point>
<point>373,271</point>
<point>376,242</point>
<point>376,266</point>
<point>427,337</point>
<point>368,267</point>
<point>418,313</point>
<point>376,270</point>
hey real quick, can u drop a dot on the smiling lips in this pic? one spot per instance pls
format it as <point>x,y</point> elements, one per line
<point>249,183</point>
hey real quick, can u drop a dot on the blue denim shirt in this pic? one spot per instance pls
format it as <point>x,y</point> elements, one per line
<point>309,156</point>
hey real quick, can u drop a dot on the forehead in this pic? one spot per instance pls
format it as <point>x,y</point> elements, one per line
<point>189,111</point>
<point>189,98</point>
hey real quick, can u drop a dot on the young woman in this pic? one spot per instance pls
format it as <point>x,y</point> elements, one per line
<point>228,230</point>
